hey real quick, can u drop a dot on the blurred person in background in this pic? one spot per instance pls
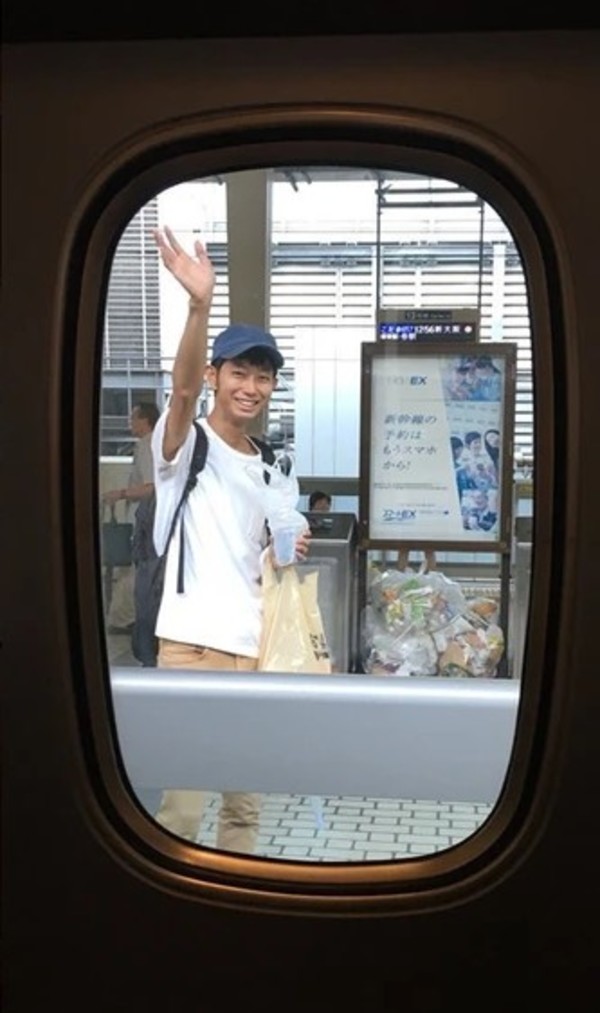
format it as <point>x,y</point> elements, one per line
<point>122,617</point>
<point>319,501</point>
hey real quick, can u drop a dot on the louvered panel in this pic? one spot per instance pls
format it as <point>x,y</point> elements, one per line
<point>314,262</point>
<point>515,322</point>
<point>282,322</point>
<point>357,295</point>
<point>431,276</point>
<point>357,298</point>
<point>303,289</point>
<point>454,274</point>
<point>358,285</point>
<point>302,296</point>
<point>460,293</point>
<point>523,358</point>
<point>132,317</point>
<point>427,237</point>
<point>359,303</point>
<point>435,220</point>
<point>322,302</point>
<point>356,314</point>
<point>302,284</point>
<point>219,314</point>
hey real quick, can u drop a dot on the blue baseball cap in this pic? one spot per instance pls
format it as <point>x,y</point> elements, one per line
<point>237,339</point>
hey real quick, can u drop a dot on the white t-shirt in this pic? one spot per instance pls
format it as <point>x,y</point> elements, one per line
<point>224,531</point>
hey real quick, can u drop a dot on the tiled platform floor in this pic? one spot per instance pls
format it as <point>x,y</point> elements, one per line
<point>352,829</point>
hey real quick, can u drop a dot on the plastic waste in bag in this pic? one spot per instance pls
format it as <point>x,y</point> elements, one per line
<point>422,625</point>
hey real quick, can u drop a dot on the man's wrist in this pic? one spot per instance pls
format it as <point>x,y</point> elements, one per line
<point>196,304</point>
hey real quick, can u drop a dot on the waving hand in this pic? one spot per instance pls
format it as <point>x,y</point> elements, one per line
<point>196,274</point>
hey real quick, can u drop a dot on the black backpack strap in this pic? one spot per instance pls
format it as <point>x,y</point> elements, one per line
<point>196,464</point>
<point>267,453</point>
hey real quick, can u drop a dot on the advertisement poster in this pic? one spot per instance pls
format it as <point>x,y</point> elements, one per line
<point>437,444</point>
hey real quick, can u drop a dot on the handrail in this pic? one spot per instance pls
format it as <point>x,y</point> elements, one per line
<point>422,738</point>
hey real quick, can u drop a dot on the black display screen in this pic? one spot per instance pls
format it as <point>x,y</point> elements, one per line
<point>426,331</point>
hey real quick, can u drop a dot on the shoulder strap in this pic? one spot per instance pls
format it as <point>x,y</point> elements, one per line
<point>266,451</point>
<point>197,463</point>
<point>198,455</point>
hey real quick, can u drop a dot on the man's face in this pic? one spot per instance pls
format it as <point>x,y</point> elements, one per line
<point>242,390</point>
<point>137,424</point>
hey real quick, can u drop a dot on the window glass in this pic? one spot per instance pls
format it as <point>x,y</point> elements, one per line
<point>355,771</point>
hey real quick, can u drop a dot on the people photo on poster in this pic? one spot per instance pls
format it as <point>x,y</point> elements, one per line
<point>439,429</point>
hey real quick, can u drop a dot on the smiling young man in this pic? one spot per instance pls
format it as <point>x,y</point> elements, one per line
<point>215,623</point>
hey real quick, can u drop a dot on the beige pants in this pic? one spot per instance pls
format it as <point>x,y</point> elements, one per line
<point>122,609</point>
<point>180,810</point>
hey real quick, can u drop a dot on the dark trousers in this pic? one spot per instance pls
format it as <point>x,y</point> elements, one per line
<point>143,641</point>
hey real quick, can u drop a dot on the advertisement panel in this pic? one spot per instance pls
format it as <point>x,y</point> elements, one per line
<point>437,445</point>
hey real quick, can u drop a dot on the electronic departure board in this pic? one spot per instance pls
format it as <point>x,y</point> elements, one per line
<point>402,324</point>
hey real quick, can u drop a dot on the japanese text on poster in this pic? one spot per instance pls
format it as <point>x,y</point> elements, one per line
<point>436,447</point>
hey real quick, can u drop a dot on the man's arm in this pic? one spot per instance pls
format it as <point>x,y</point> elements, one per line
<point>141,478</point>
<point>131,493</point>
<point>196,275</point>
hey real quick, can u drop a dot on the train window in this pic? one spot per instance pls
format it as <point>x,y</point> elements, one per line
<point>396,744</point>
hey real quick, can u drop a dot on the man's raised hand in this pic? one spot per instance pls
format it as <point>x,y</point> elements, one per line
<point>196,274</point>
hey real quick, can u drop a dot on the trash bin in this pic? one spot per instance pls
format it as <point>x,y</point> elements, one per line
<point>333,554</point>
